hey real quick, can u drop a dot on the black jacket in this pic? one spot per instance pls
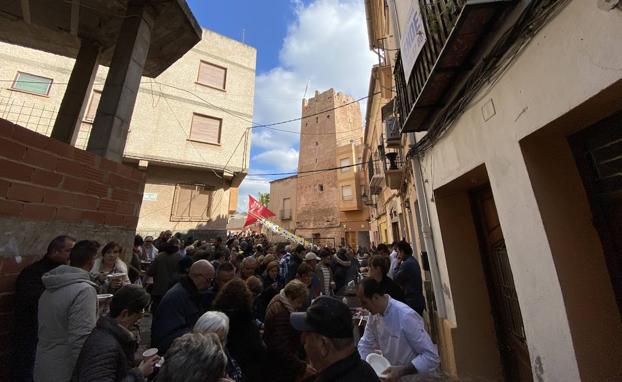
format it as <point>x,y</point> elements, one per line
<point>408,276</point>
<point>392,289</point>
<point>28,289</point>
<point>349,369</point>
<point>245,345</point>
<point>107,355</point>
<point>177,313</point>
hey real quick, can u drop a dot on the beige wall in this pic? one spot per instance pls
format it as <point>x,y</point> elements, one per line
<point>573,58</point>
<point>155,216</point>
<point>161,122</point>
<point>279,190</point>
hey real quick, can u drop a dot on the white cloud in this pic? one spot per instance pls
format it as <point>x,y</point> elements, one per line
<point>282,159</point>
<point>251,186</point>
<point>325,47</point>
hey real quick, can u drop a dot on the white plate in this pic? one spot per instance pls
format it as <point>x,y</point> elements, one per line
<point>378,363</point>
<point>115,275</point>
<point>104,296</point>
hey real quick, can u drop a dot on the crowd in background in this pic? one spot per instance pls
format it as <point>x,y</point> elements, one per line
<point>239,309</point>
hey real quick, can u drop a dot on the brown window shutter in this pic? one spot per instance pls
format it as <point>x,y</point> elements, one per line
<point>212,75</point>
<point>93,105</point>
<point>181,206</point>
<point>200,204</point>
<point>205,129</point>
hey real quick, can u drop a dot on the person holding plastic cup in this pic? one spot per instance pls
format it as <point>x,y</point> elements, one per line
<point>108,353</point>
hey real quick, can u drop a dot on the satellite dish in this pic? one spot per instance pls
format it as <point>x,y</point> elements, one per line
<point>607,5</point>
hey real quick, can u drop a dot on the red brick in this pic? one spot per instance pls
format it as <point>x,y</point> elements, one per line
<point>121,195</point>
<point>7,282</point>
<point>9,265</point>
<point>71,183</point>
<point>12,149</point>
<point>124,183</point>
<point>14,170</point>
<point>11,208</point>
<point>85,202</point>
<point>38,212</point>
<point>60,148</point>
<point>68,214</point>
<point>94,216</point>
<point>107,205</point>
<point>58,198</point>
<point>130,221</point>
<point>70,167</point>
<point>46,178</point>
<point>94,174</point>
<point>139,175</point>
<point>98,189</point>
<point>4,187</point>
<point>85,157</point>
<point>6,302</point>
<point>40,159</point>
<point>30,138</point>
<point>125,208</point>
<point>108,165</point>
<point>125,171</point>
<point>115,220</point>
<point>7,129</point>
<point>25,193</point>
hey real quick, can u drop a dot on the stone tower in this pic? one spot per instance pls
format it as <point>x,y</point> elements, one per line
<point>329,119</point>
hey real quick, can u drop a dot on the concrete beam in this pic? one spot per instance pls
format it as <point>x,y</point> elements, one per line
<point>75,17</point>
<point>74,102</point>
<point>112,121</point>
<point>26,11</point>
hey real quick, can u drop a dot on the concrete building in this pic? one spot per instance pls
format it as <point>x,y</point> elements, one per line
<point>188,131</point>
<point>326,205</point>
<point>510,115</point>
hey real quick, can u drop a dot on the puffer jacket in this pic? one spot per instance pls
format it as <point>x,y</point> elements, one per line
<point>285,362</point>
<point>108,355</point>
<point>67,315</point>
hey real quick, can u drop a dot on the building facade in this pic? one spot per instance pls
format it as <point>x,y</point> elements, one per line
<point>189,129</point>
<point>509,116</point>
<point>326,204</point>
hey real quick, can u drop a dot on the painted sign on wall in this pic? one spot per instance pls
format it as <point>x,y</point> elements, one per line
<point>150,196</point>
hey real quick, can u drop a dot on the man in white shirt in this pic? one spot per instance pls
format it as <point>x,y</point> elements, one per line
<point>149,249</point>
<point>394,261</point>
<point>397,331</point>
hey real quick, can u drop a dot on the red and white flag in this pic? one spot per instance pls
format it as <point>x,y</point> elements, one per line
<point>255,210</point>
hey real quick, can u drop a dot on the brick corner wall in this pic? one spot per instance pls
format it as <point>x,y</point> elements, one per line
<point>49,188</point>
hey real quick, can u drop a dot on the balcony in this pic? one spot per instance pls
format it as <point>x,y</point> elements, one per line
<point>376,175</point>
<point>285,214</point>
<point>453,29</point>
<point>394,173</point>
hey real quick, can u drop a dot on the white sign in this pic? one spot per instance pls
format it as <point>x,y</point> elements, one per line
<point>150,196</point>
<point>412,34</point>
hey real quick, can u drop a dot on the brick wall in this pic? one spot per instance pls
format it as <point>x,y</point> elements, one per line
<point>49,188</point>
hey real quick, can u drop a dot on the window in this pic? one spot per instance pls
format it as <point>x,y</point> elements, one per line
<point>205,129</point>
<point>212,75</point>
<point>191,203</point>
<point>93,105</point>
<point>320,187</point>
<point>346,192</point>
<point>30,83</point>
<point>345,162</point>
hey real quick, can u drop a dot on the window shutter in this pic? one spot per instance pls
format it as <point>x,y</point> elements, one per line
<point>200,204</point>
<point>205,129</point>
<point>346,193</point>
<point>212,75</point>
<point>93,105</point>
<point>183,195</point>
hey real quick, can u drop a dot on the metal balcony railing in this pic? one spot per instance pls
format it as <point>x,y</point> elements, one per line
<point>285,214</point>
<point>453,29</point>
<point>375,173</point>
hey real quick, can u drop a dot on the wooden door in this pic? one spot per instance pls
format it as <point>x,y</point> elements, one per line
<point>598,153</point>
<point>504,302</point>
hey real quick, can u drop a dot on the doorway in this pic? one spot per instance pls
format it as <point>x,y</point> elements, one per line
<point>395,230</point>
<point>506,311</point>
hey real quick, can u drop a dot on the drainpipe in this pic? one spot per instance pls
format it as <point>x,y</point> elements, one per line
<point>424,217</point>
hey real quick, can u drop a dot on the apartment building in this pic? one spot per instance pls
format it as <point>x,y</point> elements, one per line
<point>510,121</point>
<point>189,129</point>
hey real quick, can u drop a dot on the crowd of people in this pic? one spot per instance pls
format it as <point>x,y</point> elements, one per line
<point>242,309</point>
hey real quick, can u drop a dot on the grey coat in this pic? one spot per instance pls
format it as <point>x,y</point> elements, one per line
<point>67,315</point>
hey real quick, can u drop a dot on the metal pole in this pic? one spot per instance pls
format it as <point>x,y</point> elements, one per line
<point>424,217</point>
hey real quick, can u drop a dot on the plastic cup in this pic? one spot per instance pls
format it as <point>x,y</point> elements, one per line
<point>150,353</point>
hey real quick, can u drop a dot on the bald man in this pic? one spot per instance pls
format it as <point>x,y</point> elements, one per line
<point>182,306</point>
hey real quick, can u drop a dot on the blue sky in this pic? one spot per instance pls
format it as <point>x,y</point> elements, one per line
<point>322,43</point>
